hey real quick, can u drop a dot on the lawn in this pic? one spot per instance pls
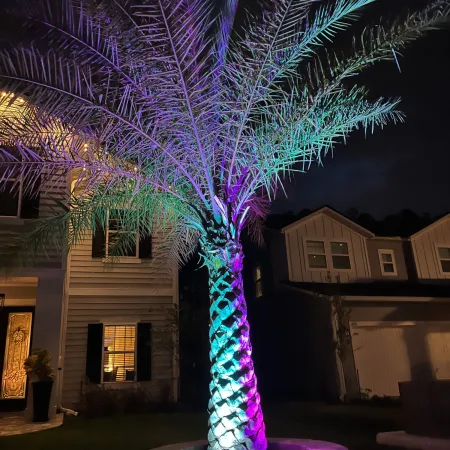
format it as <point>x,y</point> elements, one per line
<point>351,426</point>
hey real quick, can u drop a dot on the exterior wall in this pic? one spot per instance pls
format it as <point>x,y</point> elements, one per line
<point>47,327</point>
<point>19,291</point>
<point>278,257</point>
<point>126,293</point>
<point>322,227</point>
<point>424,248</point>
<point>373,245</point>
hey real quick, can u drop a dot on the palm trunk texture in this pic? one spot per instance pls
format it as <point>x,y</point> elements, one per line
<point>235,415</point>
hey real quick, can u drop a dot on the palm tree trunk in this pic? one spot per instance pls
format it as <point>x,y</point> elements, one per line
<point>235,415</point>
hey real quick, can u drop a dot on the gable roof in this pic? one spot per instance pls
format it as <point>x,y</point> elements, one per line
<point>432,225</point>
<point>333,214</point>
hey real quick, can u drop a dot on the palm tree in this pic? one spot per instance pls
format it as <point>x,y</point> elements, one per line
<point>167,116</point>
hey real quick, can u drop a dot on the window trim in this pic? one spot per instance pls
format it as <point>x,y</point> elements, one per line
<point>119,324</point>
<point>388,251</point>
<point>328,255</point>
<point>439,259</point>
<point>122,259</point>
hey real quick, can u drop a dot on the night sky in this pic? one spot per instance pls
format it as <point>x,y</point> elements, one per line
<point>402,166</point>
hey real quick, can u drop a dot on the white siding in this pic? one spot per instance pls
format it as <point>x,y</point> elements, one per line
<point>122,293</point>
<point>424,246</point>
<point>323,227</point>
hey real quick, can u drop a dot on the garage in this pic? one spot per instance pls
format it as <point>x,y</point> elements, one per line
<point>388,352</point>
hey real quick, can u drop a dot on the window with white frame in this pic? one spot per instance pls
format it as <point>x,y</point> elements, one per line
<point>444,258</point>
<point>115,232</point>
<point>316,255</point>
<point>324,254</point>
<point>387,262</point>
<point>119,353</point>
<point>340,255</point>
<point>258,282</point>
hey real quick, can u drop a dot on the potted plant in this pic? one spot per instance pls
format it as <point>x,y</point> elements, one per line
<point>38,367</point>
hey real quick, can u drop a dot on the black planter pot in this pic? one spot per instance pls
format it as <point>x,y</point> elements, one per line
<point>42,391</point>
<point>426,407</point>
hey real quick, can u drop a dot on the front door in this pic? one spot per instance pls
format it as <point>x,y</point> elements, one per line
<point>15,343</point>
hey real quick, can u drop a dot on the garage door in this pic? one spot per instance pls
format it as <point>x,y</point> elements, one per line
<point>388,352</point>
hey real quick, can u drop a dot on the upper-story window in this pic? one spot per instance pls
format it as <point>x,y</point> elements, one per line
<point>10,195</point>
<point>444,259</point>
<point>115,232</point>
<point>13,202</point>
<point>334,254</point>
<point>138,246</point>
<point>387,262</point>
<point>317,258</point>
<point>258,282</point>
<point>339,255</point>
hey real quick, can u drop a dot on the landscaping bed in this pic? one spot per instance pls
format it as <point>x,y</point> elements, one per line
<point>352,426</point>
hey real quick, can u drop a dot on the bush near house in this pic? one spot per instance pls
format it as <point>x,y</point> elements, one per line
<point>103,401</point>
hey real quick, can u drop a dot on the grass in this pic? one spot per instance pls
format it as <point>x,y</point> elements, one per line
<point>352,426</point>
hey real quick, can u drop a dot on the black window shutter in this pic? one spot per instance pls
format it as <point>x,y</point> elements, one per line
<point>94,353</point>
<point>144,352</point>
<point>99,242</point>
<point>30,202</point>
<point>145,247</point>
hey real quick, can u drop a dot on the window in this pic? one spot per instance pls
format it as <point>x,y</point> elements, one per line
<point>14,202</point>
<point>322,254</point>
<point>316,254</point>
<point>119,353</point>
<point>10,196</point>
<point>139,245</point>
<point>258,282</point>
<point>387,262</point>
<point>339,255</point>
<point>115,232</point>
<point>444,258</point>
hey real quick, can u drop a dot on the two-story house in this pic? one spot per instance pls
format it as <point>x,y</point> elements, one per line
<point>360,312</point>
<point>102,324</point>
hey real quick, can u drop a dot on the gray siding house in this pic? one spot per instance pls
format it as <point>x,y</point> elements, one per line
<point>372,310</point>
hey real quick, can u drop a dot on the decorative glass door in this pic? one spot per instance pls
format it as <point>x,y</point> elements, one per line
<point>17,348</point>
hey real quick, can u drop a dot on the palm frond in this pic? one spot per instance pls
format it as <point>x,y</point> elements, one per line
<point>163,112</point>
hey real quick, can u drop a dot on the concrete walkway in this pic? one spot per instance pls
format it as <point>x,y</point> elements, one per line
<point>14,423</point>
